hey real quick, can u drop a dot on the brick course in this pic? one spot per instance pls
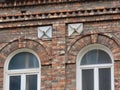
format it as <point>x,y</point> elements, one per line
<point>18,29</point>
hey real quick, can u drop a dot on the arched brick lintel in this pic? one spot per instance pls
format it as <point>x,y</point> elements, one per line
<point>37,47</point>
<point>79,42</point>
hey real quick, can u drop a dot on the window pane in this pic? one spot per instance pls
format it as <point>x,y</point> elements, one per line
<point>104,79</point>
<point>95,57</point>
<point>89,58</point>
<point>31,82</point>
<point>15,82</point>
<point>23,60</point>
<point>103,57</point>
<point>87,79</point>
<point>33,62</point>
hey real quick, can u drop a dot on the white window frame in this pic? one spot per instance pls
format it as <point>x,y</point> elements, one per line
<point>79,67</point>
<point>21,72</point>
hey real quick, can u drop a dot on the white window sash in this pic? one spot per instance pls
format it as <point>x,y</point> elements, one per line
<point>15,72</point>
<point>112,77</point>
<point>95,66</point>
<point>23,80</point>
<point>79,67</point>
<point>96,77</point>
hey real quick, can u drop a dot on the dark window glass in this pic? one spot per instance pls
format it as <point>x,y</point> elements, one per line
<point>95,57</point>
<point>2,1</point>
<point>23,60</point>
<point>15,82</point>
<point>87,79</point>
<point>31,82</point>
<point>104,79</point>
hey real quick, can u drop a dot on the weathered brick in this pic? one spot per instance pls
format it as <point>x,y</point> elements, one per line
<point>20,20</point>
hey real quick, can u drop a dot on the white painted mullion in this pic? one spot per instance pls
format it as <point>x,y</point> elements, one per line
<point>95,65</point>
<point>80,79</point>
<point>38,82</point>
<point>112,78</point>
<point>96,83</point>
<point>23,71</point>
<point>7,83</point>
<point>23,82</point>
<point>98,77</point>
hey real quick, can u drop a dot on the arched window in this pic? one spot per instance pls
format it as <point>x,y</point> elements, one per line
<point>23,72</point>
<point>95,69</point>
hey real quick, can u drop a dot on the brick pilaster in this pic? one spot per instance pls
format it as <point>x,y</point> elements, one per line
<point>58,63</point>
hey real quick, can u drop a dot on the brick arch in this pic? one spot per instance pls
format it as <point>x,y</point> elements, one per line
<point>77,44</point>
<point>42,51</point>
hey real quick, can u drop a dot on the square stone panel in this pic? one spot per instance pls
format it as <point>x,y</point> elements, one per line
<point>45,32</point>
<point>76,27</point>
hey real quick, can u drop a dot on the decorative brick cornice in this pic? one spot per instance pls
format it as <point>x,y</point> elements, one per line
<point>19,3</point>
<point>22,3</point>
<point>62,14</point>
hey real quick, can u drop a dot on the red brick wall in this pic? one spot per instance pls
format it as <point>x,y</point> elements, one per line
<point>18,29</point>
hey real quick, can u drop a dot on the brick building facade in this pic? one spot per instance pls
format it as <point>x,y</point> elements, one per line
<point>56,31</point>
